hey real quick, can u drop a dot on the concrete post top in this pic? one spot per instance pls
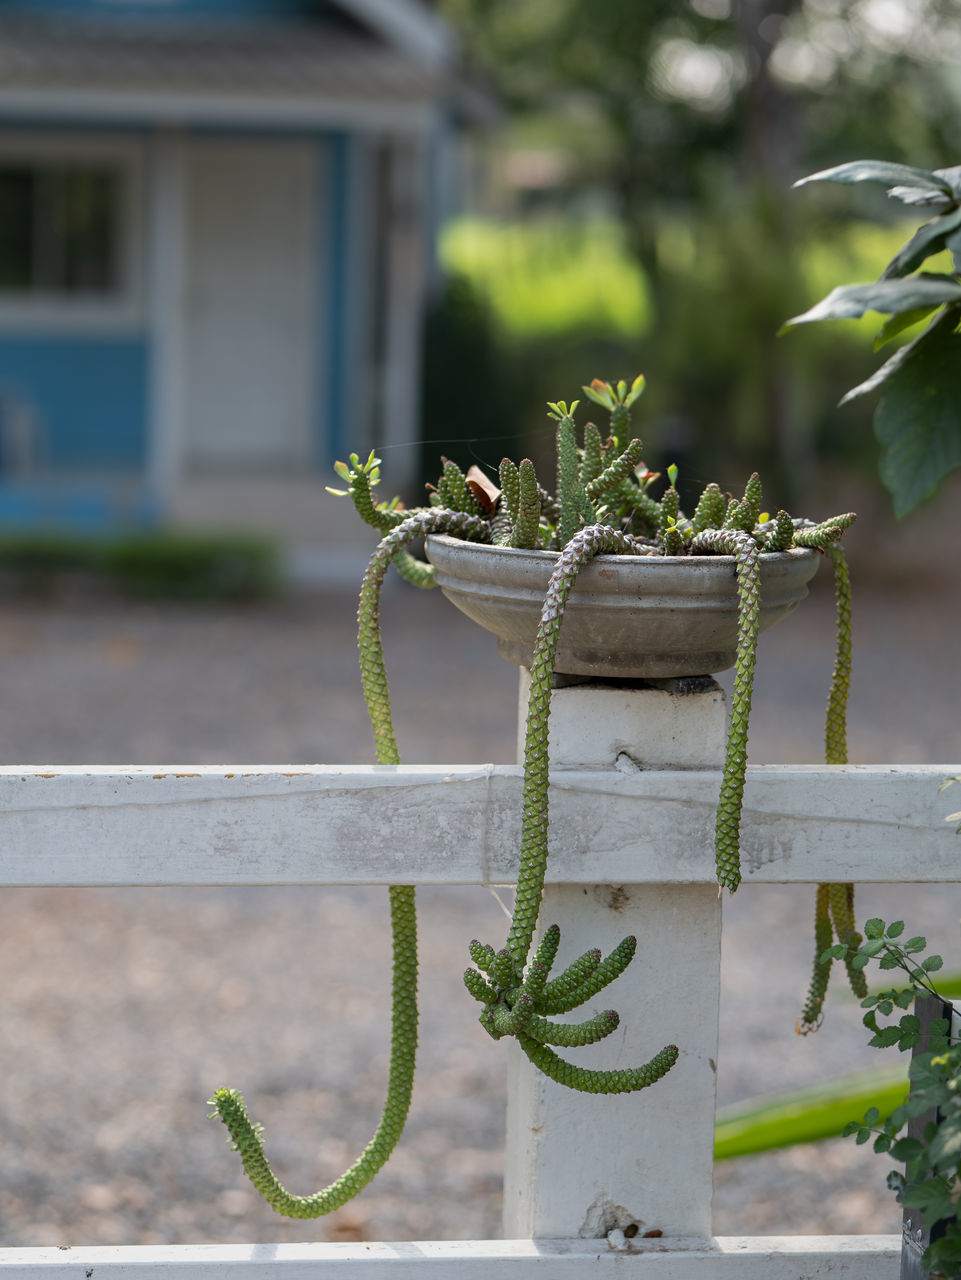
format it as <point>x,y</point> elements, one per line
<point>677,724</point>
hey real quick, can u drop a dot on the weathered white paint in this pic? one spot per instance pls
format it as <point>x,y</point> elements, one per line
<point>579,1164</point>
<point>434,824</point>
<point>597,724</point>
<point>249,320</point>
<point>724,1258</point>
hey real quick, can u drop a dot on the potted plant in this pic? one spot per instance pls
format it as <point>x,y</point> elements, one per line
<point>590,580</point>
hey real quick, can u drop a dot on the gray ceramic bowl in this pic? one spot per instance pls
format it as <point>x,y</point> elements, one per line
<point>628,616</point>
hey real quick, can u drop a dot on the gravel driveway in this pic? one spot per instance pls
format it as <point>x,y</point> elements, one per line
<point>123,1009</point>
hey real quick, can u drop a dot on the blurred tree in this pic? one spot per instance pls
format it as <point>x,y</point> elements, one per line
<point>691,120</point>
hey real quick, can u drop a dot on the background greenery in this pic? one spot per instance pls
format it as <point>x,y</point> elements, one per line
<point>638,215</point>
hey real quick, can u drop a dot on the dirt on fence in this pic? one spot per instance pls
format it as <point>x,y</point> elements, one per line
<point>122,1010</point>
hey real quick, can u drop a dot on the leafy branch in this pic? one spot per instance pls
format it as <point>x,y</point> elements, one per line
<point>918,420</point>
<point>931,1179</point>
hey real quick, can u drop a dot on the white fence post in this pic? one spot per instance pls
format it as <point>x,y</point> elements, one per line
<point>582,1165</point>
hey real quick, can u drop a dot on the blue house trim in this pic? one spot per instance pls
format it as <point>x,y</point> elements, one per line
<point>89,396</point>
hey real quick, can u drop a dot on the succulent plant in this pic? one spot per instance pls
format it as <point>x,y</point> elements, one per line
<point>602,505</point>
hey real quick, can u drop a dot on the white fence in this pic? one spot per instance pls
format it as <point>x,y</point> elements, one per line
<point>632,809</point>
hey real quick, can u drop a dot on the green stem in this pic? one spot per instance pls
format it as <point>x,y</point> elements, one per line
<point>246,1136</point>
<point>583,546</point>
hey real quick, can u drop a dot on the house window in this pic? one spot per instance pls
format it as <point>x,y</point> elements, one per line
<point>60,229</point>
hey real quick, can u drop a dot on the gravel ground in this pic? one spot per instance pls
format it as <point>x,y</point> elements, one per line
<point>123,1009</point>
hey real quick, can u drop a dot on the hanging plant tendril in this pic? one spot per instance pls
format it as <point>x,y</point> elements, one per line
<point>834,905</point>
<point>247,1137</point>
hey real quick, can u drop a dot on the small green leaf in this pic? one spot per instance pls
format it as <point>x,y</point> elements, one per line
<point>907,1148</point>
<point>895,928</point>
<point>637,386</point>
<point>927,240</point>
<point>882,1142</point>
<point>932,964</point>
<point>864,1135</point>
<point>851,301</point>
<point>914,944</point>
<point>871,1116</point>
<point>883,171</point>
<point>873,947</point>
<point>874,928</point>
<point>885,1037</point>
<point>895,325</point>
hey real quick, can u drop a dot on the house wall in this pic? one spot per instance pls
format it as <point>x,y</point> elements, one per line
<point>88,400</point>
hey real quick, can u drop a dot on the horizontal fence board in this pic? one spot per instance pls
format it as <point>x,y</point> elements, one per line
<point>429,824</point>
<point>726,1258</point>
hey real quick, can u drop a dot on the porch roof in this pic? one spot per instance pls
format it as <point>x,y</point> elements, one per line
<point>188,70</point>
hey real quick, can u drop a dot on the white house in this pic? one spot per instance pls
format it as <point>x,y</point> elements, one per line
<point>215,230</point>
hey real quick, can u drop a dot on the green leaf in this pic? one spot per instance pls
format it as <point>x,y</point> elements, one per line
<point>945,1149</point>
<point>914,944</point>
<point>873,947</point>
<point>850,301</point>
<point>895,325</point>
<point>932,964</point>
<point>907,1148</point>
<point>637,386</point>
<point>900,357</point>
<point>927,240</point>
<point>918,421</point>
<point>895,928</point>
<point>872,1115</point>
<point>882,1142</point>
<point>885,1037</point>
<point>880,171</point>
<point>808,1115</point>
<point>874,928</point>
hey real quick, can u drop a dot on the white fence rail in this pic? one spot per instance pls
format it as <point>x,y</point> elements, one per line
<point>631,853</point>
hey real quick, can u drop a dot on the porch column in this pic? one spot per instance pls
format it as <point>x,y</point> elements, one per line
<point>167,218</point>
<point>582,1164</point>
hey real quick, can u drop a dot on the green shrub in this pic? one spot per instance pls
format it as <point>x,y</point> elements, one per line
<point>175,566</point>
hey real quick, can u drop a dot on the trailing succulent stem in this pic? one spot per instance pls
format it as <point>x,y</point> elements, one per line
<point>834,907</point>
<point>516,993</point>
<point>602,507</point>
<point>247,1137</point>
<point>727,831</point>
